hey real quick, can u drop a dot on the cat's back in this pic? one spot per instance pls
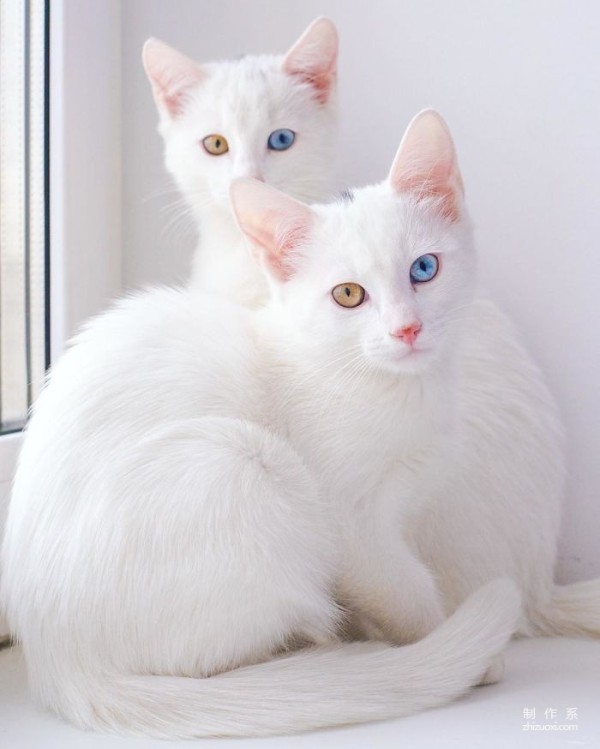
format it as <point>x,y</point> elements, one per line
<point>166,349</point>
<point>502,393</point>
<point>493,352</point>
<point>155,358</point>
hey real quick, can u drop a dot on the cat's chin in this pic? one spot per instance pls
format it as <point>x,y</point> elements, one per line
<point>413,362</point>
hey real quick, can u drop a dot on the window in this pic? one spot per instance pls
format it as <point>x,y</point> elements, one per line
<point>24,319</point>
<point>69,218</point>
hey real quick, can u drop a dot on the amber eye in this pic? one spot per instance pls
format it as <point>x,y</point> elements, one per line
<point>216,145</point>
<point>348,294</point>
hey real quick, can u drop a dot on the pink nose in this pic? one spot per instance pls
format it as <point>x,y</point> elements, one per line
<point>408,333</point>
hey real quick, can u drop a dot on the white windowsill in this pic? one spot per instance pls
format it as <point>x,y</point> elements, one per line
<point>544,673</point>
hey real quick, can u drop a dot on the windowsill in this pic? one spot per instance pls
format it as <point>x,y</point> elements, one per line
<point>545,673</point>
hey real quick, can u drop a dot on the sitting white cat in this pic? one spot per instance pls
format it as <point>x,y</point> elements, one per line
<point>202,484</point>
<point>264,116</point>
<point>403,371</point>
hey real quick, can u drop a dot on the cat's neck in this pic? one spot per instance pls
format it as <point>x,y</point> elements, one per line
<point>222,260</point>
<point>356,398</point>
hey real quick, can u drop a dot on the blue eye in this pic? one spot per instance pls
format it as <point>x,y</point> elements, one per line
<point>280,140</point>
<point>424,268</point>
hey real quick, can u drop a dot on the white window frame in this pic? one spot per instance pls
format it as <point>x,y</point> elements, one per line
<point>85,177</point>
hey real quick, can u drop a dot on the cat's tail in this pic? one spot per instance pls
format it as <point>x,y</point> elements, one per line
<point>573,611</point>
<point>314,688</point>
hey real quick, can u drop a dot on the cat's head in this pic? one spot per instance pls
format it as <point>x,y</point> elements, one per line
<point>379,278</point>
<point>267,117</point>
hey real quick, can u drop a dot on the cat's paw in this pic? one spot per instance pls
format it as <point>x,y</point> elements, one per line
<point>494,673</point>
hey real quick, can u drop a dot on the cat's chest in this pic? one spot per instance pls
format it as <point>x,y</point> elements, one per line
<point>354,444</point>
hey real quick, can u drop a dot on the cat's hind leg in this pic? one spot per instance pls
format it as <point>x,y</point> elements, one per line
<point>391,593</point>
<point>568,610</point>
<point>495,672</point>
<point>232,552</point>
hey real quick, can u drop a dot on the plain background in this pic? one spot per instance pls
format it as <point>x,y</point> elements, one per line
<point>519,84</point>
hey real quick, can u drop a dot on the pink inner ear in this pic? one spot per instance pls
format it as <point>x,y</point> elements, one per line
<point>322,79</point>
<point>275,223</point>
<point>171,75</point>
<point>173,103</point>
<point>425,164</point>
<point>279,245</point>
<point>276,243</point>
<point>437,183</point>
<point>313,58</point>
<point>322,83</point>
<point>171,92</point>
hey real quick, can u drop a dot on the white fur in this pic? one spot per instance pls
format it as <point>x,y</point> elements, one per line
<point>245,100</point>
<point>194,495</point>
<point>159,525</point>
<point>465,421</point>
<point>202,485</point>
<point>477,443</point>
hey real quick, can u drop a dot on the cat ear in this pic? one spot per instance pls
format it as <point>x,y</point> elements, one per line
<point>426,164</point>
<point>274,223</point>
<point>171,75</point>
<point>314,57</point>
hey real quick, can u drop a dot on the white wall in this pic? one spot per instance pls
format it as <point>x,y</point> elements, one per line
<point>518,82</point>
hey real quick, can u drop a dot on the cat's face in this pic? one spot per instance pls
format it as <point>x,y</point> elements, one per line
<point>384,279</point>
<point>378,280</point>
<point>266,117</point>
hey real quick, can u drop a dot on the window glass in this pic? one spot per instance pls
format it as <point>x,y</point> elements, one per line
<point>23,207</point>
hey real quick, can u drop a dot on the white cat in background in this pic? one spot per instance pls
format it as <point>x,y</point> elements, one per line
<point>268,117</point>
<point>202,484</point>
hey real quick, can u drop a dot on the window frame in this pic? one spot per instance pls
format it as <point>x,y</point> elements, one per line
<point>84,160</point>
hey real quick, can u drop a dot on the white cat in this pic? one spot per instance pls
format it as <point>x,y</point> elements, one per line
<point>268,117</point>
<point>415,372</point>
<point>202,484</point>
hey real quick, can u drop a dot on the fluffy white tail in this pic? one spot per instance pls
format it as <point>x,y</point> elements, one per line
<point>574,611</point>
<point>318,687</point>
